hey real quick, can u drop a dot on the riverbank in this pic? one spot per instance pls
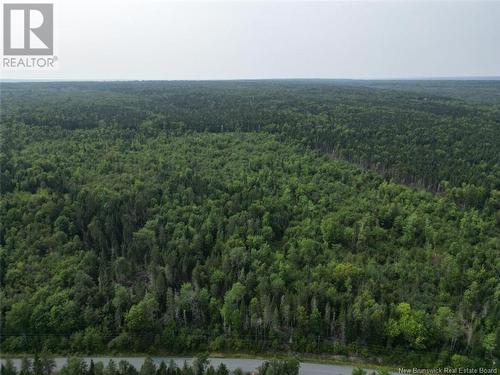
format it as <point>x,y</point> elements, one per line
<point>245,364</point>
<point>337,360</point>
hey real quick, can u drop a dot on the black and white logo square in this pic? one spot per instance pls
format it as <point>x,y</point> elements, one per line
<point>28,29</point>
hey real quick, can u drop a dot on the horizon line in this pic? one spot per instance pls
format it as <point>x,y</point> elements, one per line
<point>424,78</point>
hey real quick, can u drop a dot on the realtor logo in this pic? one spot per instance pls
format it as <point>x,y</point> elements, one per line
<point>28,29</point>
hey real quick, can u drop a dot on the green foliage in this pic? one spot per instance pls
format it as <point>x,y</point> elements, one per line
<point>75,366</point>
<point>141,316</point>
<point>279,367</point>
<point>358,371</point>
<point>409,324</point>
<point>148,367</point>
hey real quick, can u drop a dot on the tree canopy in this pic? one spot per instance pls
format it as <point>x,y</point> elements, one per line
<point>249,216</point>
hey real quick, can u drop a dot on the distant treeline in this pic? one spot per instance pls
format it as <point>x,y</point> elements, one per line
<point>416,138</point>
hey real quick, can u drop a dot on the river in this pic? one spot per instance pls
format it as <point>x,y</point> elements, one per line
<point>247,365</point>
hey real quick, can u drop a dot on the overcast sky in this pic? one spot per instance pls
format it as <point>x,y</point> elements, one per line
<point>257,39</point>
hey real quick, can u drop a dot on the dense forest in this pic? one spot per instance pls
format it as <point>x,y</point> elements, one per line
<point>475,90</point>
<point>252,216</point>
<point>415,138</point>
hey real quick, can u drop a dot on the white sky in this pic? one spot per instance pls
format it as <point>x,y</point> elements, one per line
<point>258,39</point>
